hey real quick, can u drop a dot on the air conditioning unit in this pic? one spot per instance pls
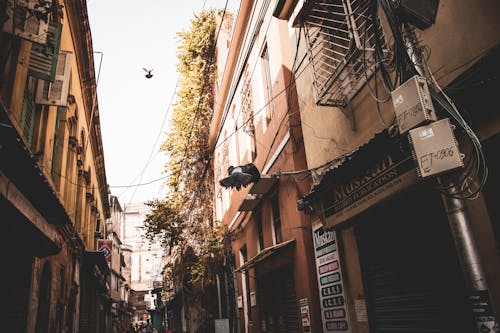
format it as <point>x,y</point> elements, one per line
<point>435,148</point>
<point>413,104</point>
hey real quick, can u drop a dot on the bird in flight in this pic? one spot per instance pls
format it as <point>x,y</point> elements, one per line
<point>148,73</point>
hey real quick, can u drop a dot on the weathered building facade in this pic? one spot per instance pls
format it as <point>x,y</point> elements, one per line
<point>53,190</point>
<point>255,122</point>
<point>380,247</point>
<point>405,241</point>
<point>119,286</point>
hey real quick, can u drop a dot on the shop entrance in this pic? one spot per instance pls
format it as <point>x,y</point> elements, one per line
<point>279,312</point>
<point>411,275</point>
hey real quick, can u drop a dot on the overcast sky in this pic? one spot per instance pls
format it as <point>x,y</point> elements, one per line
<point>133,35</point>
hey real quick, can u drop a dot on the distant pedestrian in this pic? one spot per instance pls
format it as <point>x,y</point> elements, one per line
<point>148,327</point>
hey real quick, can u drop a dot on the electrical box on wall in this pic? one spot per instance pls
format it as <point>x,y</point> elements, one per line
<point>413,104</point>
<point>435,148</point>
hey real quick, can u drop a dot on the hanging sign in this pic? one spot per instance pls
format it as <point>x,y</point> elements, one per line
<point>331,286</point>
<point>105,246</point>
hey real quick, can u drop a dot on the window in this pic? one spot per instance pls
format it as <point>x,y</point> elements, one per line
<point>62,272</point>
<point>268,93</point>
<point>278,238</point>
<point>247,111</point>
<point>56,93</point>
<point>341,37</point>
<point>246,287</point>
<point>59,145</point>
<point>260,232</point>
<point>43,57</point>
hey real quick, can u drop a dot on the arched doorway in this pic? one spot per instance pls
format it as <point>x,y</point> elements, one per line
<point>43,312</point>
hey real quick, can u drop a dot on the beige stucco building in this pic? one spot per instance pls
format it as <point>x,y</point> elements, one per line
<point>364,244</point>
<point>53,190</point>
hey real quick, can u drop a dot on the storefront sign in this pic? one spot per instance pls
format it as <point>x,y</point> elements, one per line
<point>240,302</point>
<point>105,246</point>
<point>253,299</point>
<point>304,314</point>
<point>360,308</point>
<point>222,325</point>
<point>328,267</point>
<point>353,194</point>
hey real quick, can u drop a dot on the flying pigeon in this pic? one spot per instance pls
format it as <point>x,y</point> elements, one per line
<point>240,176</point>
<point>148,73</point>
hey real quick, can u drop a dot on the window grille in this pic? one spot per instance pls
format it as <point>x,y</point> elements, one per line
<point>247,105</point>
<point>341,41</point>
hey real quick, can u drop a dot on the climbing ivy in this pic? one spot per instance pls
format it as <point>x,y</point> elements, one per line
<point>184,218</point>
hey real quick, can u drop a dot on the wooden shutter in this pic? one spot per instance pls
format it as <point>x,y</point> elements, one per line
<point>21,21</point>
<point>56,93</point>
<point>43,57</point>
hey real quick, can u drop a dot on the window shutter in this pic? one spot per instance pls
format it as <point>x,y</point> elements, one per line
<point>56,93</point>
<point>21,21</point>
<point>43,57</point>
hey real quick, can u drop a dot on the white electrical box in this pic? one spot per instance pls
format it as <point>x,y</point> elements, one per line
<point>413,104</point>
<point>435,148</point>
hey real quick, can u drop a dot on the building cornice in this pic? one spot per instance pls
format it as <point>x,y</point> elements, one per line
<point>237,39</point>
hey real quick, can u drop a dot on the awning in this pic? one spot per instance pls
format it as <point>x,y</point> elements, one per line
<point>96,258</point>
<point>375,171</point>
<point>26,230</point>
<point>264,254</point>
<point>22,169</point>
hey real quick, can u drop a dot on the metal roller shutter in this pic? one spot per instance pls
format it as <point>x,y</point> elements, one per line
<point>411,275</point>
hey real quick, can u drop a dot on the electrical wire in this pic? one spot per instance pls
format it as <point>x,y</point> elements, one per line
<point>153,149</point>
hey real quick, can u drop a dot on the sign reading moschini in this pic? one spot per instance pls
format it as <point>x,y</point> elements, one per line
<point>363,182</point>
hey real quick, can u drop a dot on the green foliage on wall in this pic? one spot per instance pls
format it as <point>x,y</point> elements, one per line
<point>183,220</point>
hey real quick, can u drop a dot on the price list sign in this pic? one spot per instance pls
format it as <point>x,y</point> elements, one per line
<point>331,288</point>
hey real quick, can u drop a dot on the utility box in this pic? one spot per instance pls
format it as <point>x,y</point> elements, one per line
<point>413,104</point>
<point>435,148</point>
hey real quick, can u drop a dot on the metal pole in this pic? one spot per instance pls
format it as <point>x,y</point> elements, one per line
<point>465,244</point>
<point>470,261</point>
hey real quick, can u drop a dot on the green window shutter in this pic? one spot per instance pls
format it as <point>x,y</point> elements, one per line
<point>28,118</point>
<point>56,93</point>
<point>43,57</point>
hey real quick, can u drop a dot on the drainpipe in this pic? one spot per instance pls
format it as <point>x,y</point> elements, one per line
<point>465,244</point>
<point>470,261</point>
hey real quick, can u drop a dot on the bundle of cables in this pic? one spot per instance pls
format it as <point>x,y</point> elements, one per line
<point>408,60</point>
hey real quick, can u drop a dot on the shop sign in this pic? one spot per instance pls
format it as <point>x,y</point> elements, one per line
<point>374,183</point>
<point>304,315</point>
<point>105,246</point>
<point>222,325</point>
<point>331,288</point>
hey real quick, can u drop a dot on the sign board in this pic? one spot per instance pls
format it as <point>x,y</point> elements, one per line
<point>222,325</point>
<point>362,183</point>
<point>360,308</point>
<point>304,315</point>
<point>253,299</point>
<point>240,302</point>
<point>331,287</point>
<point>105,246</point>
<point>157,284</point>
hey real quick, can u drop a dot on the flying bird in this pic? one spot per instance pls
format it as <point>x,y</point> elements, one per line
<point>148,73</point>
<point>241,176</point>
